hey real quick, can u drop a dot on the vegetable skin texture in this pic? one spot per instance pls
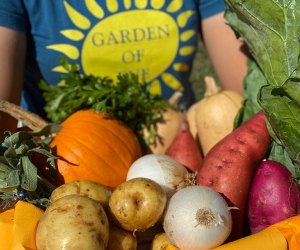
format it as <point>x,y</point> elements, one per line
<point>93,190</point>
<point>120,239</point>
<point>215,113</point>
<point>137,204</point>
<point>160,241</point>
<point>230,166</point>
<point>184,148</point>
<point>274,196</point>
<point>73,222</point>
<point>191,118</point>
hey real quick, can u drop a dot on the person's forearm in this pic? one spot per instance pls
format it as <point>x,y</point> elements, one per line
<point>12,58</point>
<point>227,53</point>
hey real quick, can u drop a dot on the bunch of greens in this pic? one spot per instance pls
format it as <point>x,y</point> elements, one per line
<point>20,179</point>
<point>271,30</point>
<point>127,99</point>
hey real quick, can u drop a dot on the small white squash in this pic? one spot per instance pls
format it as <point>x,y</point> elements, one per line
<point>191,118</point>
<point>167,128</point>
<point>215,114</point>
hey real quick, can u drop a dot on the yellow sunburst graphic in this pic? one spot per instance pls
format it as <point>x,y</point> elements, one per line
<point>130,36</point>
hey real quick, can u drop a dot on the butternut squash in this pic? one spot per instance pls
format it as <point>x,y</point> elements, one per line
<point>215,114</point>
<point>191,118</point>
<point>167,128</point>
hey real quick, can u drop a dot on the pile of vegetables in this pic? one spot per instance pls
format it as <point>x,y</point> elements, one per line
<point>127,100</point>
<point>113,177</point>
<point>273,81</point>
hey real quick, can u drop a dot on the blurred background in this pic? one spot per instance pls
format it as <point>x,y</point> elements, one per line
<point>201,67</point>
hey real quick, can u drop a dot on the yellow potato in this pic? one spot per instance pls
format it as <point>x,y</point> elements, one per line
<point>146,237</point>
<point>137,204</point>
<point>120,239</point>
<point>87,188</point>
<point>73,222</point>
<point>160,242</point>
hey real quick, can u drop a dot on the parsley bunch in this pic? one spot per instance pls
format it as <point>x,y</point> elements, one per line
<point>127,99</point>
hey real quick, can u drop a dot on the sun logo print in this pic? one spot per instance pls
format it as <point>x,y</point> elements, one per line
<point>131,36</point>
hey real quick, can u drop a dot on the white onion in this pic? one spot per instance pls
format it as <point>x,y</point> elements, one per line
<point>164,170</point>
<point>197,218</point>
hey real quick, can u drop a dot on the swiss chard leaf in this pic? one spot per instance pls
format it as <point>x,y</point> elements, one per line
<point>271,30</point>
<point>279,154</point>
<point>284,117</point>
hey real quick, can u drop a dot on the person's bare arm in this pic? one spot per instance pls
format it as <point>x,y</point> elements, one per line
<point>12,59</point>
<point>226,52</point>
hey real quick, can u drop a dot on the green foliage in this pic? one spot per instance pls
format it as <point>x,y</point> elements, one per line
<point>272,32</point>
<point>127,99</point>
<point>19,177</point>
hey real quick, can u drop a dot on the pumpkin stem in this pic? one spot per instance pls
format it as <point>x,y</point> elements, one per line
<point>211,86</point>
<point>30,119</point>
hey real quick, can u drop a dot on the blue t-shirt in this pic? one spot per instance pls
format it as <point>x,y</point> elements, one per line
<point>155,39</point>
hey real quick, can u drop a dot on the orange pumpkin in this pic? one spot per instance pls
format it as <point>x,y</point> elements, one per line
<point>96,148</point>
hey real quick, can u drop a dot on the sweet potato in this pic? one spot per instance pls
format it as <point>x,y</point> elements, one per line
<point>185,149</point>
<point>274,196</point>
<point>230,165</point>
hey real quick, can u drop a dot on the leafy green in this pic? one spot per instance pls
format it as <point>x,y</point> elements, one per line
<point>271,30</point>
<point>284,118</point>
<point>127,99</point>
<point>19,177</point>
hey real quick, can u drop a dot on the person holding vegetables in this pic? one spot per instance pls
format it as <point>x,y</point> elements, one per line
<point>157,40</point>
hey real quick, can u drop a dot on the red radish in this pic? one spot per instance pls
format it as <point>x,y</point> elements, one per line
<point>230,165</point>
<point>185,149</point>
<point>274,196</point>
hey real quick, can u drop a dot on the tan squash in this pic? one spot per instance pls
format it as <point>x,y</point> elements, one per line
<point>215,114</point>
<point>191,118</point>
<point>167,128</point>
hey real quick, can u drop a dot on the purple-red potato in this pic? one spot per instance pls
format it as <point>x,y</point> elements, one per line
<point>185,149</point>
<point>230,165</point>
<point>274,196</point>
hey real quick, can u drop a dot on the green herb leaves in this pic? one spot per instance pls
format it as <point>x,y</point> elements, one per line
<point>18,174</point>
<point>127,99</point>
